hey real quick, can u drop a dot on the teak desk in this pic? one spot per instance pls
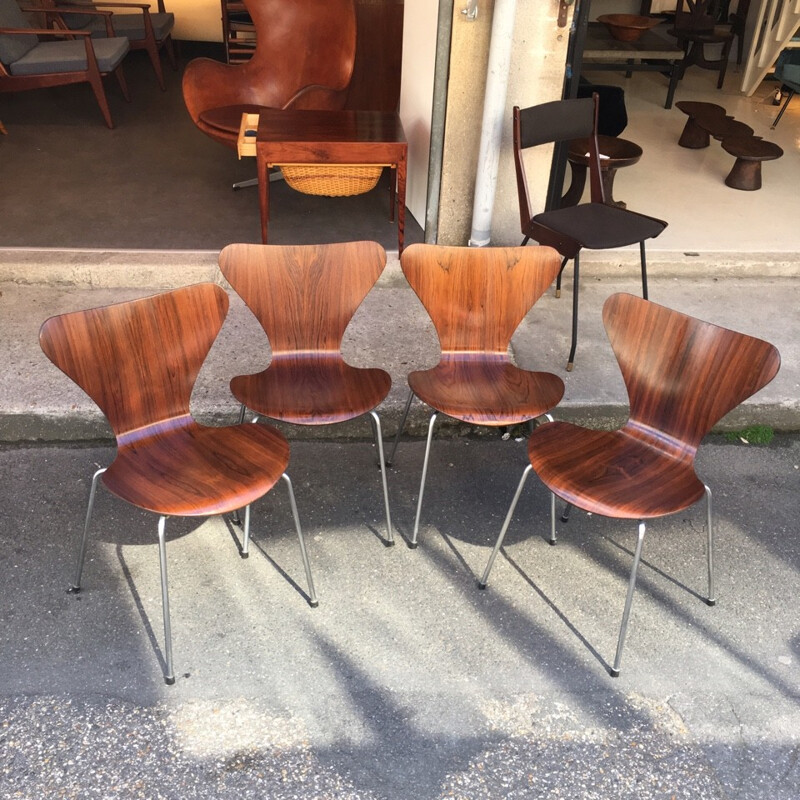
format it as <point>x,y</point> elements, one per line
<point>331,137</point>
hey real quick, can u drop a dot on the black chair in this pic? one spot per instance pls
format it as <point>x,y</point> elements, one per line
<point>593,225</point>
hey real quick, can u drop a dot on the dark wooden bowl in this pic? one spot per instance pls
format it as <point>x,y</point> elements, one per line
<point>627,27</point>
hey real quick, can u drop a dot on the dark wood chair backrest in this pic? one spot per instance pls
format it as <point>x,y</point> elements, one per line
<point>304,296</point>
<point>682,374</point>
<point>304,57</point>
<point>557,121</point>
<point>477,296</point>
<point>138,360</point>
<point>695,16</point>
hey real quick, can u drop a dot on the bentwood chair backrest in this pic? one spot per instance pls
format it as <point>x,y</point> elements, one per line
<point>682,374</point>
<point>139,361</point>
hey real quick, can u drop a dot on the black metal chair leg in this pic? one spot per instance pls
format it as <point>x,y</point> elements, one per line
<point>644,270</point>
<point>558,279</point>
<point>575,285</point>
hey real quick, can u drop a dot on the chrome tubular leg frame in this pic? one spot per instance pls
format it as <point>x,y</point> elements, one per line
<point>169,675</point>
<point>246,535</point>
<point>376,430</point>
<point>312,595</point>
<point>235,518</point>
<point>712,597</point>
<point>76,584</point>
<point>552,540</point>
<point>504,529</point>
<point>614,671</point>
<point>413,542</point>
<point>400,427</point>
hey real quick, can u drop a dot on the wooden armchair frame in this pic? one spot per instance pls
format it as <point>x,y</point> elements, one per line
<point>91,75</point>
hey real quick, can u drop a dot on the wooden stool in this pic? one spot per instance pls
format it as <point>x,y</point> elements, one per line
<point>750,151</point>
<point>619,152</point>
<point>694,135</point>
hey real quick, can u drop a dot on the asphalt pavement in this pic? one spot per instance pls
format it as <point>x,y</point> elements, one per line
<point>407,681</point>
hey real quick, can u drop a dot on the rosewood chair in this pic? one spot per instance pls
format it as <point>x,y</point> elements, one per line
<point>304,57</point>
<point>682,375</point>
<point>26,62</point>
<point>145,30</point>
<point>304,297</point>
<point>593,225</point>
<point>476,298</point>
<point>138,361</point>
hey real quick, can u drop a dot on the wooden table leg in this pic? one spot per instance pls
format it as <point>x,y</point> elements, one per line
<point>401,203</point>
<point>573,195</point>
<point>392,191</point>
<point>263,195</point>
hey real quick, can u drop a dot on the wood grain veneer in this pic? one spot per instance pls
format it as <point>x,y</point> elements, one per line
<point>139,361</point>
<point>304,297</point>
<point>476,298</point>
<point>682,376</point>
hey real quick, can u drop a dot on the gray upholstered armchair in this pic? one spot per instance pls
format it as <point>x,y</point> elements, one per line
<point>145,30</point>
<point>58,58</point>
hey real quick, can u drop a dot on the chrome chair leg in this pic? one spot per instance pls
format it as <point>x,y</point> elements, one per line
<point>235,518</point>
<point>413,542</point>
<point>400,427</point>
<point>504,529</point>
<point>76,584</point>
<point>552,540</point>
<point>614,671</point>
<point>169,675</point>
<point>246,535</point>
<point>565,512</point>
<point>312,595</point>
<point>712,598</point>
<point>376,430</point>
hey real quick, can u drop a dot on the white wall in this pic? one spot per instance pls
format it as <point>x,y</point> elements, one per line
<point>195,20</point>
<point>416,97</point>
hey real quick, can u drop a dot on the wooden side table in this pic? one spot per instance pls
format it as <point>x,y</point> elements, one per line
<point>619,152</point>
<point>331,137</point>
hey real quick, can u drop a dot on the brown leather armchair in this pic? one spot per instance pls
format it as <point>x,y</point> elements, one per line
<point>303,59</point>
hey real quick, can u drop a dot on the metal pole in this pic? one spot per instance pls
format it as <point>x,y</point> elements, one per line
<point>494,113</point>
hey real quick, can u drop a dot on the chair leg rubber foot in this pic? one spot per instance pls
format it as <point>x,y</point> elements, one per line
<point>389,543</point>
<point>558,292</point>
<point>169,680</point>
<point>412,545</point>
<point>74,590</point>
<point>245,555</point>
<point>614,673</point>
<point>570,365</point>
<point>710,602</point>
<point>313,603</point>
<point>552,542</point>
<point>481,586</point>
